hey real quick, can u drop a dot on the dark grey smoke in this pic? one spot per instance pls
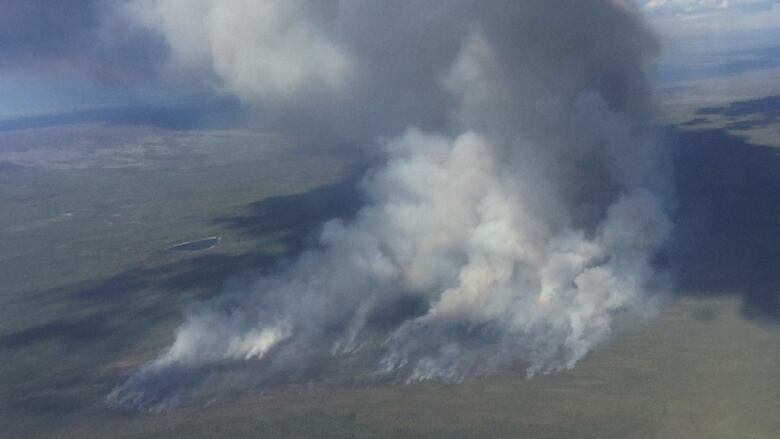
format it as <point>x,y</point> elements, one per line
<point>519,211</point>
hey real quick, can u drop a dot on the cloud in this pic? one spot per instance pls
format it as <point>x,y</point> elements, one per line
<point>699,6</point>
<point>703,16</point>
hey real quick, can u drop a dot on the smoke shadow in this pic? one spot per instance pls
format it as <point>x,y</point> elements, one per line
<point>727,230</point>
<point>297,216</point>
<point>87,329</point>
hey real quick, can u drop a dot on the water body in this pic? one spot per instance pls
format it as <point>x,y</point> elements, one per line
<point>193,246</point>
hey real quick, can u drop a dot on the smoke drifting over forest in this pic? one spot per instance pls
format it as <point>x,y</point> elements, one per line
<point>522,201</point>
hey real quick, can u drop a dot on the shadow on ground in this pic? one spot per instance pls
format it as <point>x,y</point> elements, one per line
<point>727,238</point>
<point>296,216</point>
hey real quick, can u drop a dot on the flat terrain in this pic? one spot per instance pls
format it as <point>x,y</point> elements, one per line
<point>88,290</point>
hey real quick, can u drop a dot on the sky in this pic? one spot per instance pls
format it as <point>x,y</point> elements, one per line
<point>67,55</point>
<point>696,17</point>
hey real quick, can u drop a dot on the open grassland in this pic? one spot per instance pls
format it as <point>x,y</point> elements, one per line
<point>88,291</point>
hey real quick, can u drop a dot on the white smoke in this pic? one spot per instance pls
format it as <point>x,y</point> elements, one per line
<point>270,49</point>
<point>521,227</point>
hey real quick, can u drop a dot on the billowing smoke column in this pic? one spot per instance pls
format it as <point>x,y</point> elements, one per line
<point>519,209</point>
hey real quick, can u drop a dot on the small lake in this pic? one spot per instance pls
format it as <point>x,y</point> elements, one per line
<point>194,246</point>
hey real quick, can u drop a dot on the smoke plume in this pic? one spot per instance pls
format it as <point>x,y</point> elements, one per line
<point>519,210</point>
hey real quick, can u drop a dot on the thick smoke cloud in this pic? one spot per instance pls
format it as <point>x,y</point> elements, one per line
<point>519,211</point>
<point>272,49</point>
